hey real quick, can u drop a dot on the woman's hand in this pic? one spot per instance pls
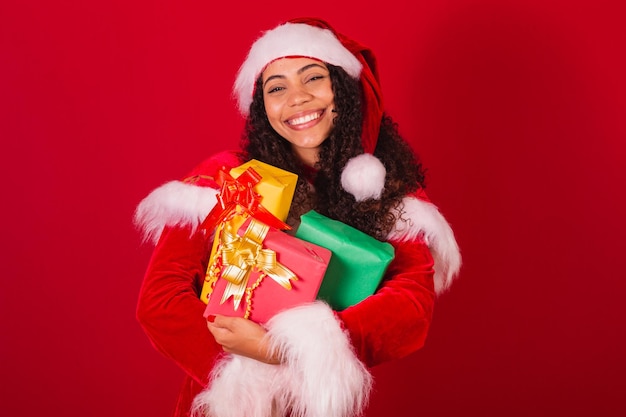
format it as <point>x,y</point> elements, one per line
<point>241,336</point>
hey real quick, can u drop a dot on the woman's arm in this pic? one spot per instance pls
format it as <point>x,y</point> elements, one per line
<point>171,313</point>
<point>169,308</point>
<point>395,320</point>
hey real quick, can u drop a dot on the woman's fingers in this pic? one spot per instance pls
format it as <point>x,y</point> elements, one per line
<point>240,336</point>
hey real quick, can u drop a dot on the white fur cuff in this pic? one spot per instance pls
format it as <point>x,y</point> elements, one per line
<point>175,203</point>
<point>320,376</point>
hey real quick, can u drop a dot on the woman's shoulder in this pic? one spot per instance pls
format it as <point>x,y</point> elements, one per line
<point>420,194</point>
<point>184,202</point>
<point>203,173</point>
<point>420,219</point>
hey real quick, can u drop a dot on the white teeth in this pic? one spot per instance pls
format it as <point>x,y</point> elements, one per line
<point>304,119</point>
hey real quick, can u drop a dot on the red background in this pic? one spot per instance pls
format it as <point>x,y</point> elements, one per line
<point>516,108</point>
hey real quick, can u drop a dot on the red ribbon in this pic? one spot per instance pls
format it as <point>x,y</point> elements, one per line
<point>239,193</point>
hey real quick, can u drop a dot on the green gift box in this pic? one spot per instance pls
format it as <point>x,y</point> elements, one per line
<point>358,260</point>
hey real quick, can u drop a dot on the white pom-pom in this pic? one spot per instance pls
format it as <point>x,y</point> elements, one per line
<point>364,177</point>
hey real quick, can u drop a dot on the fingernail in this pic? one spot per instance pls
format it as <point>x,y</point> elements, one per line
<point>210,318</point>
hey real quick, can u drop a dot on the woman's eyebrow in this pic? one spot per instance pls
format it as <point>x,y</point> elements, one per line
<point>270,78</point>
<point>300,71</point>
<point>306,67</point>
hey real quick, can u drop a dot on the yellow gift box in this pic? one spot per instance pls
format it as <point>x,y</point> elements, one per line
<point>277,186</point>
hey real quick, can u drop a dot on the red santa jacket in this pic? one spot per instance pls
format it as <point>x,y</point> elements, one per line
<point>327,353</point>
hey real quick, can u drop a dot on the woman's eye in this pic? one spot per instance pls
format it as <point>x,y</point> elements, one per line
<point>315,77</point>
<point>274,89</point>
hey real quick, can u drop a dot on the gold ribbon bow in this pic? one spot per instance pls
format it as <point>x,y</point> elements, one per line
<point>241,255</point>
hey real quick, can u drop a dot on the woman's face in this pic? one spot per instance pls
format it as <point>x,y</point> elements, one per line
<point>299,101</point>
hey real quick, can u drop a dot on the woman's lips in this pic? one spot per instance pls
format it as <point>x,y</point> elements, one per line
<point>304,120</point>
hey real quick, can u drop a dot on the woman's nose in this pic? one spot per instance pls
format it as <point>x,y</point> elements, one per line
<point>299,96</point>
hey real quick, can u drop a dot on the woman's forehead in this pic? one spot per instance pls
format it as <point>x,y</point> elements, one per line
<point>291,63</point>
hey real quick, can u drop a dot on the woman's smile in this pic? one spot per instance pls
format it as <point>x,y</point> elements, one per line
<point>305,121</point>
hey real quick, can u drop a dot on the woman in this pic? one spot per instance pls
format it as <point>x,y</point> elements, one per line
<point>313,106</point>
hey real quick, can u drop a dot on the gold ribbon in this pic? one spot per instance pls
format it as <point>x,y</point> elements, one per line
<point>241,255</point>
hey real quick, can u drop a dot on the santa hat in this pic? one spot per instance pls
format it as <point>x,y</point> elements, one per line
<point>364,175</point>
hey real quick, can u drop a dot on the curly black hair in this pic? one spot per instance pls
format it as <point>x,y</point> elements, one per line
<point>375,217</point>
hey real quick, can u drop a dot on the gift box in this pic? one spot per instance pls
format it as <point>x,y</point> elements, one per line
<point>247,191</point>
<point>258,271</point>
<point>252,189</point>
<point>276,187</point>
<point>358,263</point>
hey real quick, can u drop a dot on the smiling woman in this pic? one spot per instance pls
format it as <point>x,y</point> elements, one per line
<point>313,106</point>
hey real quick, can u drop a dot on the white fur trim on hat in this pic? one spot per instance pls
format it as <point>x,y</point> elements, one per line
<point>364,177</point>
<point>174,203</point>
<point>423,219</point>
<point>290,39</point>
<point>320,374</point>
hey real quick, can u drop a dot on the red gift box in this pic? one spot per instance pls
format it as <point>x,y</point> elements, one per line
<point>262,270</point>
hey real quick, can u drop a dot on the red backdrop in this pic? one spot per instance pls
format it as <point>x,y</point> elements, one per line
<point>516,108</point>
